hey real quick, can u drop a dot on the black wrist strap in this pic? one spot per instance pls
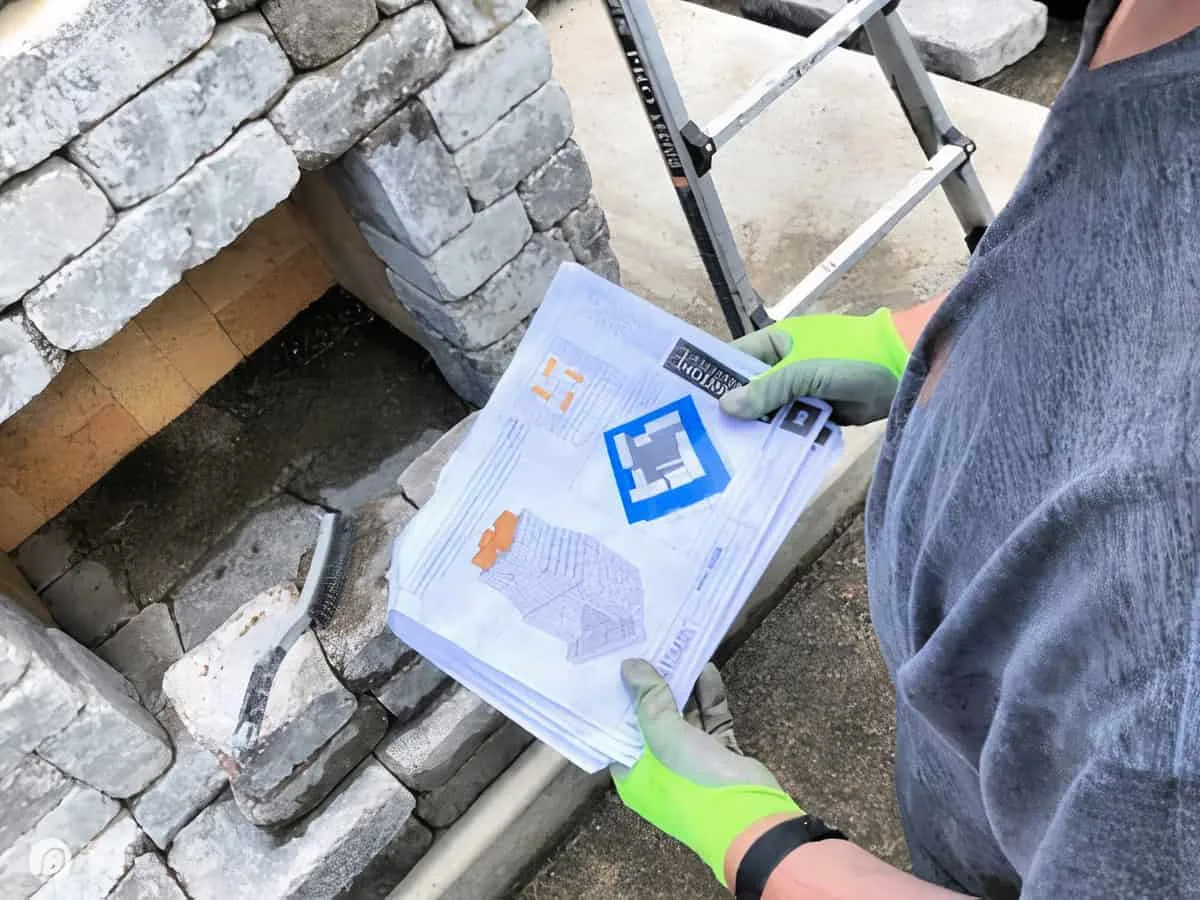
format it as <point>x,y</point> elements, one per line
<point>766,853</point>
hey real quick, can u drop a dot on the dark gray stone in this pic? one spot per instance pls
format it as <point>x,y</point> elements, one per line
<point>473,374</point>
<point>143,650</point>
<point>442,806</point>
<point>90,602</point>
<point>225,9</point>
<point>412,689</point>
<point>316,32</point>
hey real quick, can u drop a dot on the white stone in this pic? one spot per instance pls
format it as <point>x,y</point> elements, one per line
<point>391,7</point>
<point>114,745</point>
<point>366,824</point>
<point>360,647</point>
<point>146,145</point>
<point>90,602</point>
<point>33,859</point>
<point>474,21</point>
<point>482,83</point>
<point>47,217</point>
<point>91,299</point>
<point>326,112</point>
<point>29,792</point>
<point>14,643</point>
<point>143,650</point>
<point>965,39</point>
<point>401,179</point>
<point>97,869</point>
<point>316,32</point>
<point>43,701</point>
<point>524,138</point>
<point>27,362</point>
<point>499,305</point>
<point>419,480</point>
<point>426,752</point>
<point>411,690</point>
<point>556,187</point>
<point>64,66</point>
<point>307,703</point>
<point>473,374</point>
<point>147,879</point>
<point>193,781</point>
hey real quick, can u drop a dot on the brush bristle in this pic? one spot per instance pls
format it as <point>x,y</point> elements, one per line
<point>333,577</point>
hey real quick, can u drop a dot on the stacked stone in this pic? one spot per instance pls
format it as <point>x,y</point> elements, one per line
<point>473,194</point>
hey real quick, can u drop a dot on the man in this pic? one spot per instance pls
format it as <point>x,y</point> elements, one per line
<point>1033,528</point>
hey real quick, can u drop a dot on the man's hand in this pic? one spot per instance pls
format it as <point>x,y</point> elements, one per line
<point>689,783</point>
<point>854,363</point>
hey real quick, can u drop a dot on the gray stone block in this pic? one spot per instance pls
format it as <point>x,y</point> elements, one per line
<point>265,550</point>
<point>965,39</point>
<point>586,229</point>
<point>47,217</point>
<point>41,852</point>
<point>473,374</point>
<point>401,180</point>
<point>442,806</point>
<point>360,647</point>
<point>113,744</point>
<point>606,265</point>
<point>100,866</point>
<point>496,308</point>
<point>556,187</point>
<point>15,650</point>
<point>90,602</point>
<point>474,21</point>
<point>307,704</point>
<point>419,480</point>
<point>226,9</point>
<point>494,163</point>
<point>483,83</point>
<point>426,752</point>
<point>314,780</point>
<point>391,7</point>
<point>192,782</point>
<point>146,145</point>
<point>111,49</point>
<point>89,300</point>
<point>27,362</point>
<point>367,824</point>
<point>143,650</point>
<point>42,702</point>
<point>325,113</point>
<point>411,690</point>
<point>316,32</point>
<point>30,791</point>
<point>47,554</point>
<point>147,879</point>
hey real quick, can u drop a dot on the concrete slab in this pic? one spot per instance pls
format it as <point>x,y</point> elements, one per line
<point>795,182</point>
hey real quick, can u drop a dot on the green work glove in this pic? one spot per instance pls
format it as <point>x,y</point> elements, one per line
<point>854,363</point>
<point>689,783</point>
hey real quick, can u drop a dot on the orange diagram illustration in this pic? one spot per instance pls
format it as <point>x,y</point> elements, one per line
<point>558,385</point>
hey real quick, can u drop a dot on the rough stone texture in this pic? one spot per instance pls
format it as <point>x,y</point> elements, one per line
<point>586,230</point>
<point>15,651</point>
<point>143,650</point>
<point>88,301</point>
<point>333,852</point>
<point>442,806</point>
<point>425,753</point>
<point>30,791</point>
<point>146,145</point>
<point>494,163</point>
<point>147,879</point>
<point>225,9</point>
<point>313,781</point>
<point>500,305</point>
<point>401,179</point>
<point>266,550</point>
<point>47,217</point>
<point>412,689</point>
<point>47,554</point>
<point>606,265</point>
<point>39,853</point>
<point>360,647</point>
<point>391,7</point>
<point>114,745</point>
<point>965,40</point>
<point>325,113</point>
<point>44,700</point>
<point>474,374</point>
<point>556,187</point>
<point>111,49</point>
<point>315,32</point>
<point>483,83</point>
<point>419,480</point>
<point>90,602</point>
<point>307,704</point>
<point>474,21</point>
<point>97,869</point>
<point>27,362</point>
<point>193,781</point>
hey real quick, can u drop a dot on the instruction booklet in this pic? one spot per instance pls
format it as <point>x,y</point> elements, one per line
<point>601,507</point>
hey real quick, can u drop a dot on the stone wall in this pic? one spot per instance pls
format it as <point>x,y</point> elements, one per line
<point>139,138</point>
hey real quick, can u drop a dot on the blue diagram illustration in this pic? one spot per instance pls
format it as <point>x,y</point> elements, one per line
<point>664,461</point>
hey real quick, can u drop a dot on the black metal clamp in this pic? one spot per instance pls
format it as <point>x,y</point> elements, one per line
<point>701,147</point>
